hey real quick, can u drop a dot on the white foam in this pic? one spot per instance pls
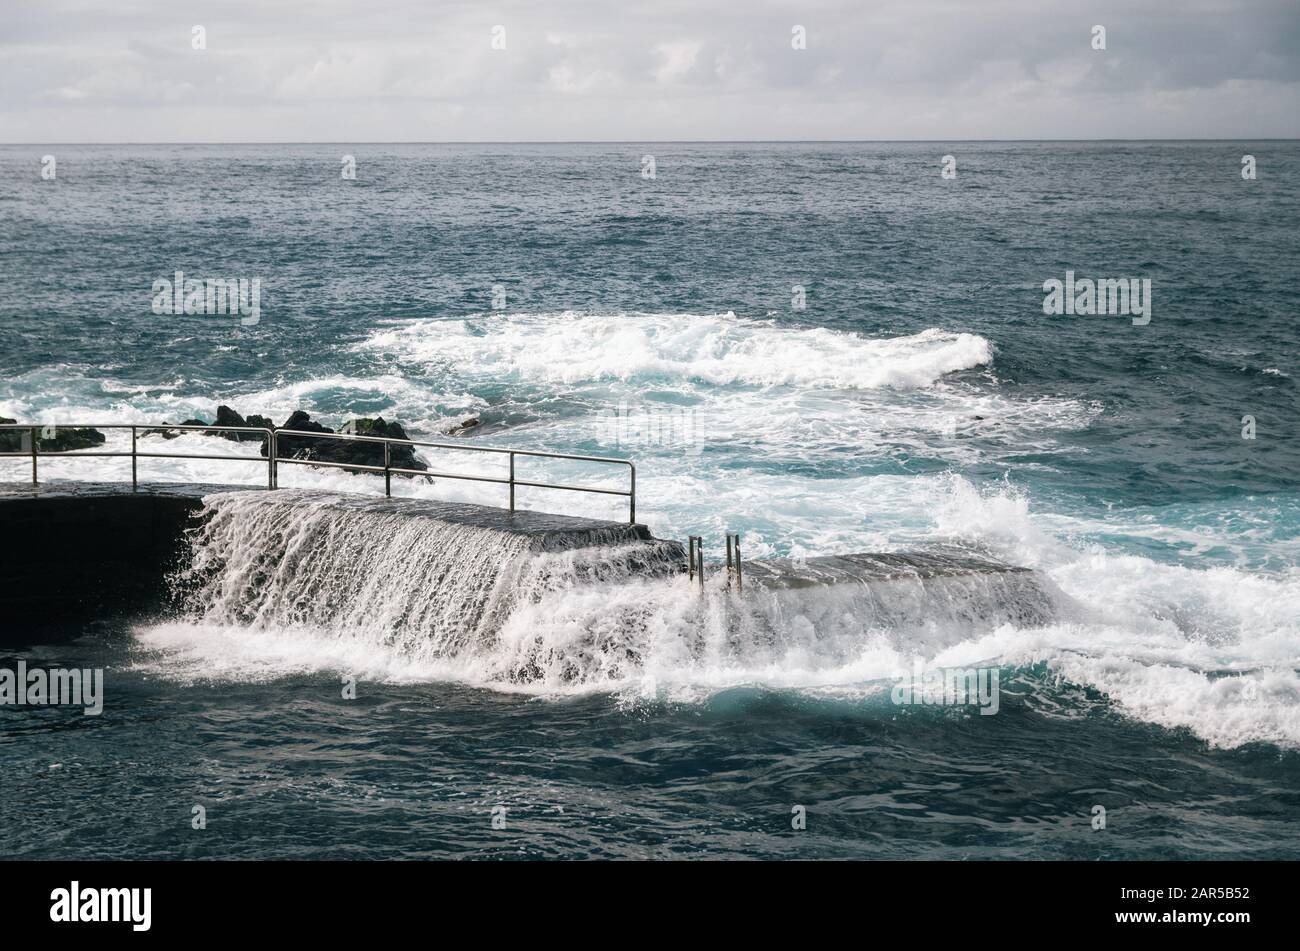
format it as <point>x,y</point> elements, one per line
<point>1212,648</point>
<point>718,349</point>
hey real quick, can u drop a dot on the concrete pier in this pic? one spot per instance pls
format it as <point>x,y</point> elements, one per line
<point>76,552</point>
<point>777,573</point>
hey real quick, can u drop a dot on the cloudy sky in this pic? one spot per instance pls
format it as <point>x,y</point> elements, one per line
<point>425,70</point>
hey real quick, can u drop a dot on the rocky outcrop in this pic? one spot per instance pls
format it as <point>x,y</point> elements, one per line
<point>228,417</point>
<point>345,451</point>
<point>49,438</point>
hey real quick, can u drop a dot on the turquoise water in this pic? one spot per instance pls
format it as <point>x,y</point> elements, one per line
<point>920,398</point>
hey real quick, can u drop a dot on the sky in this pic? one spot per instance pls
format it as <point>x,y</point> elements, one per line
<point>411,71</point>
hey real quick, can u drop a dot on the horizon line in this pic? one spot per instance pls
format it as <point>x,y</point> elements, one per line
<point>650,141</point>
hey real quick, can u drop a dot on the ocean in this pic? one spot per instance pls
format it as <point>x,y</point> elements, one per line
<point>826,348</point>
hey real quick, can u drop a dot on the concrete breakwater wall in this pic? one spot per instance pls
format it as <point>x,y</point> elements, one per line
<point>466,591</point>
<point>77,552</point>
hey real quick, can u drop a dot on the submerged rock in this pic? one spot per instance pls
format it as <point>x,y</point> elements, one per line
<point>464,426</point>
<point>173,433</point>
<point>49,438</point>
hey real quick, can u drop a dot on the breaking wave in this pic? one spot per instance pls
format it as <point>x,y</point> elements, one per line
<point>283,584</point>
<point>718,349</point>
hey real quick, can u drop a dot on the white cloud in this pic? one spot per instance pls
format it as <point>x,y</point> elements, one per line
<point>677,59</point>
<point>583,69</point>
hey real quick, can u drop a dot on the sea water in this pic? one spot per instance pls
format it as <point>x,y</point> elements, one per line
<point>828,348</point>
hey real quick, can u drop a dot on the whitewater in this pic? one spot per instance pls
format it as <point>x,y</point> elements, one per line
<point>1210,649</point>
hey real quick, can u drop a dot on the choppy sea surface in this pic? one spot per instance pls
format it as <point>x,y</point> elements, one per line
<point>918,399</point>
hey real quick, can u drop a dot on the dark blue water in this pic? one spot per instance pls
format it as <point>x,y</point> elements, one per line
<point>921,397</point>
<point>292,771</point>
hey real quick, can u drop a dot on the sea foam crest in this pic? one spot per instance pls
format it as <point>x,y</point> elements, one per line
<point>718,349</point>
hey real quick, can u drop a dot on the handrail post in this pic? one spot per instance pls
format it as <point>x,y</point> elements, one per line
<point>631,498</point>
<point>388,476</point>
<point>740,579</point>
<point>695,558</point>
<point>512,482</point>
<point>273,453</point>
<point>733,560</point>
<point>135,481</point>
<point>34,432</point>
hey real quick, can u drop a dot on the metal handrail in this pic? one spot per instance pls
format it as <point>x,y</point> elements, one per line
<point>274,460</point>
<point>388,468</point>
<point>135,454</point>
<point>734,573</point>
<point>695,558</point>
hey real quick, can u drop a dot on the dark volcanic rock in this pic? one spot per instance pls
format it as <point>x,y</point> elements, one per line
<point>225,417</point>
<point>347,451</point>
<point>353,452</point>
<point>228,417</point>
<point>399,456</point>
<point>68,440</point>
<point>300,447</point>
<point>173,433</point>
<point>49,438</point>
<point>464,426</point>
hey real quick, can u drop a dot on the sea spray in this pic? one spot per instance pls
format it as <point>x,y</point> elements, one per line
<point>348,568</point>
<point>362,578</point>
<point>669,631</point>
<point>1207,650</point>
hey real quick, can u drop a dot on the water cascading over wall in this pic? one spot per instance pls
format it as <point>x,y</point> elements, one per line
<point>562,607</point>
<point>412,579</point>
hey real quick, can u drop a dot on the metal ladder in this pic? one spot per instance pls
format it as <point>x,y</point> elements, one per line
<point>695,561</point>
